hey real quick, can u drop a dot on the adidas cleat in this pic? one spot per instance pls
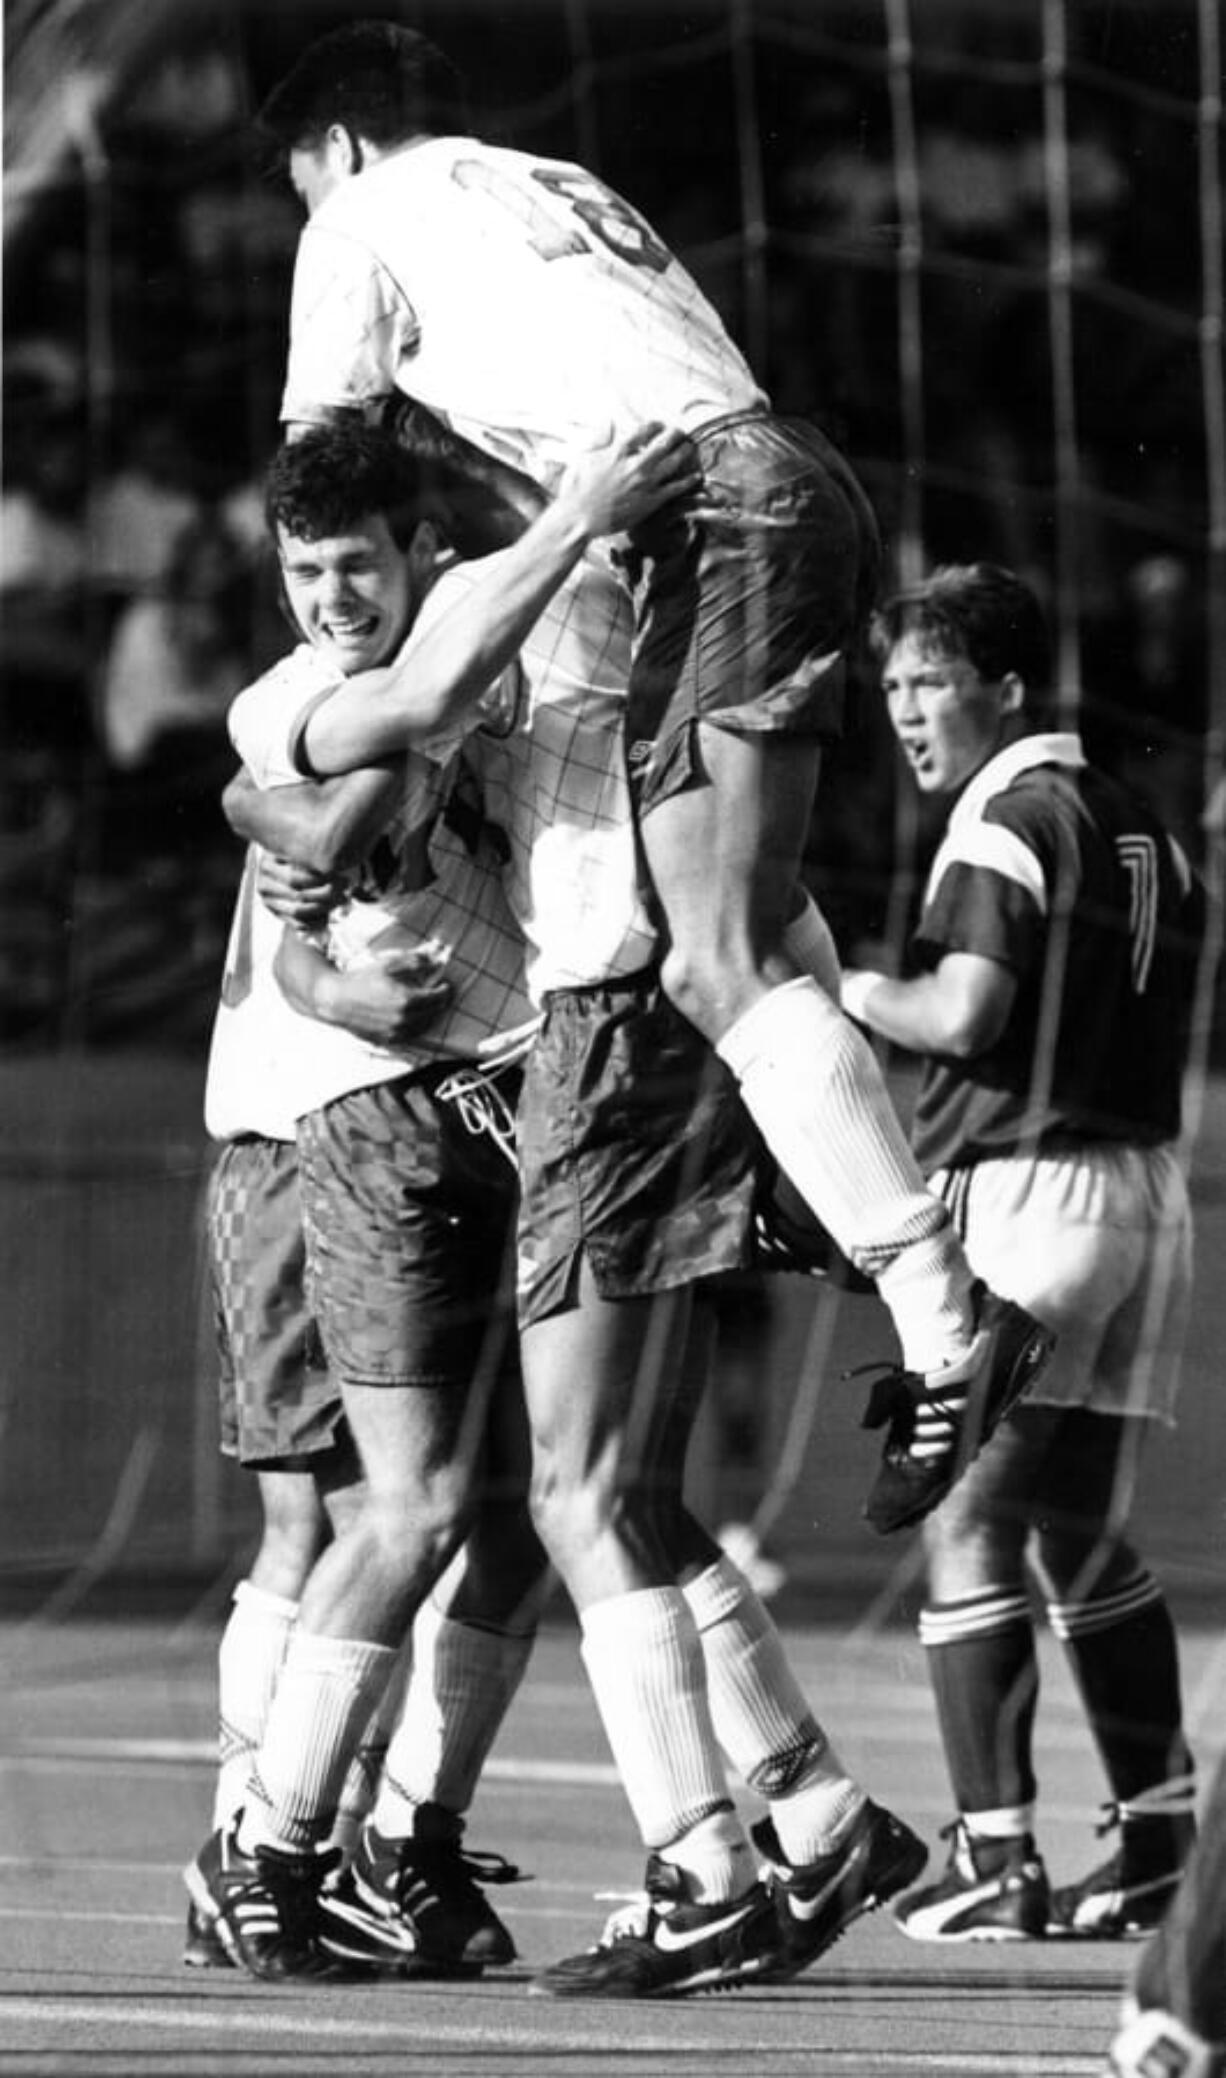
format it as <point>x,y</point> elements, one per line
<point>992,1890</point>
<point>431,1889</point>
<point>940,1421</point>
<point>817,1901</point>
<point>203,1947</point>
<point>263,1907</point>
<point>666,1945</point>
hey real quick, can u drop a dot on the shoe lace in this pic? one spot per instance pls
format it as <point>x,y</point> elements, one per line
<point>454,1874</point>
<point>630,1922</point>
<point>892,1397</point>
<point>663,1887</point>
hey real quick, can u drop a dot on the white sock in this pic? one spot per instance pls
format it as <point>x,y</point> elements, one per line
<point>364,1775</point>
<point>249,1660</point>
<point>463,1682</point>
<point>763,1721</point>
<point>644,1661</point>
<point>327,1692</point>
<point>1009,1823</point>
<point>812,1085</point>
<point>716,1857</point>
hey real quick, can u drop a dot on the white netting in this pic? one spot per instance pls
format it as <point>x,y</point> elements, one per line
<point>982,245</point>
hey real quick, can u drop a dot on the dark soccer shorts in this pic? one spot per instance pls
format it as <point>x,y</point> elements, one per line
<point>409,1219</point>
<point>635,1152</point>
<point>277,1400</point>
<point>746,600</point>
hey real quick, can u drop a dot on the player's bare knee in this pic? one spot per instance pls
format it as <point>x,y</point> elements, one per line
<point>415,1534</point>
<point>572,1516</point>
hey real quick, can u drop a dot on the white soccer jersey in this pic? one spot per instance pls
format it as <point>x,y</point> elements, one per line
<point>258,1042</point>
<point>553,779</point>
<point>518,297</point>
<point>303,1062</point>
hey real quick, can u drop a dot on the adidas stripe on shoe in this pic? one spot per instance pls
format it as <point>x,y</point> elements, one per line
<point>431,1888</point>
<point>263,1907</point>
<point>939,1422</point>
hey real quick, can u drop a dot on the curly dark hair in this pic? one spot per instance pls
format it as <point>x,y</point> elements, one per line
<point>979,611</point>
<point>330,479</point>
<point>375,78</point>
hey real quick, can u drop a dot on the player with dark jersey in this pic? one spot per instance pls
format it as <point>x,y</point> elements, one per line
<point>1053,961</point>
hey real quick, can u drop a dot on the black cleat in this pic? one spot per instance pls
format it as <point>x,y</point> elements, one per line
<point>992,1890</point>
<point>817,1901</point>
<point>263,1907</point>
<point>667,1946</point>
<point>939,1421</point>
<point>431,1889</point>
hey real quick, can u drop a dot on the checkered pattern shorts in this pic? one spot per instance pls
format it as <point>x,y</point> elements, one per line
<point>636,1153</point>
<point>408,1216</point>
<point>276,1398</point>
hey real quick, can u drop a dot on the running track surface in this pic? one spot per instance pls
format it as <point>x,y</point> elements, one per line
<point>105,1785</point>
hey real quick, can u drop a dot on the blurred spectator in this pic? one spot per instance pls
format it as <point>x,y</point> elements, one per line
<point>177,658</point>
<point>43,540</point>
<point>43,595</point>
<point>1146,689</point>
<point>138,513</point>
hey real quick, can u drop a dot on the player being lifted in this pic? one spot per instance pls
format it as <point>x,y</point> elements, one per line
<point>534,310</point>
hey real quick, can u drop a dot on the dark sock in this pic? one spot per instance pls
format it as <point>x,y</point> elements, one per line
<point>985,1681</point>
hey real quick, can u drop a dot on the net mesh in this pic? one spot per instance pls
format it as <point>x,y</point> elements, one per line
<point>945,231</point>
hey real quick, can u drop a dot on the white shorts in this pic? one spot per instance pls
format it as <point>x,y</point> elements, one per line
<point>1097,1244</point>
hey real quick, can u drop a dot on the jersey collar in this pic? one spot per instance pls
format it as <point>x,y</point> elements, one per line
<point>1054,747</point>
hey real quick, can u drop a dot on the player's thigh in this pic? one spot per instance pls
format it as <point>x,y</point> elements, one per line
<point>418,1445</point>
<point>1061,1234</point>
<point>595,1375</point>
<point>277,1401</point>
<point>725,855</point>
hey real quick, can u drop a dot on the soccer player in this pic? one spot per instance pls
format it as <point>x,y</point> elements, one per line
<point>532,308</point>
<point>1055,952</point>
<point>405,1208</point>
<point>638,1179</point>
<point>282,1416</point>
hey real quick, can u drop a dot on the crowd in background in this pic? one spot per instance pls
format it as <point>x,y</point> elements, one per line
<point>148,283</point>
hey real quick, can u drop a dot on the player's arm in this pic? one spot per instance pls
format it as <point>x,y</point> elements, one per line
<point>386,1001</point>
<point>376,713</point>
<point>960,1008</point>
<point>327,826</point>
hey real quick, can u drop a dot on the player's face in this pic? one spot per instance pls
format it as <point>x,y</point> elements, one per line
<point>353,596</point>
<point>948,720</point>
